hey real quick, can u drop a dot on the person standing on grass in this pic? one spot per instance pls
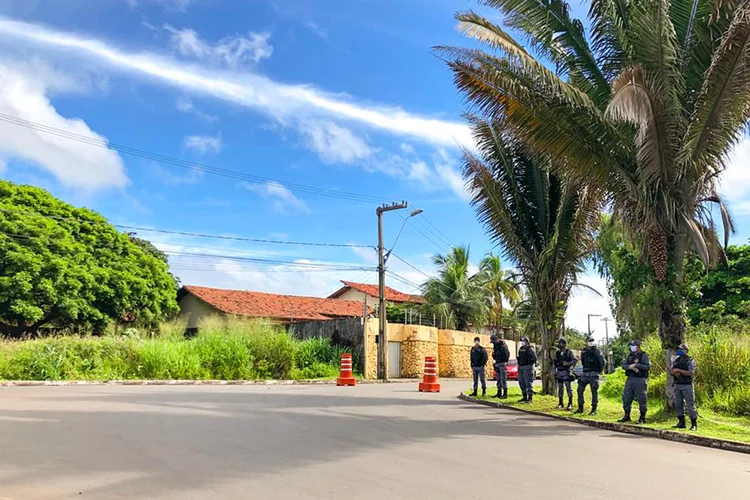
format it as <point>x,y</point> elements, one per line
<point>478,364</point>
<point>500,356</point>
<point>526,361</point>
<point>683,369</point>
<point>636,366</point>
<point>564,361</point>
<point>593,365</point>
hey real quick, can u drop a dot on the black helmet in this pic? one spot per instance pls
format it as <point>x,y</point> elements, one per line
<point>525,339</point>
<point>635,342</point>
<point>493,338</point>
<point>562,341</point>
<point>477,339</point>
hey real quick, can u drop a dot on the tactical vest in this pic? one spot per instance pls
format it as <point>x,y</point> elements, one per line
<point>590,360</point>
<point>683,363</point>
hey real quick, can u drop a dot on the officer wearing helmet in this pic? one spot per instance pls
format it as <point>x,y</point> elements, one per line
<point>500,357</point>
<point>526,361</point>
<point>593,365</point>
<point>637,366</point>
<point>564,361</point>
<point>683,369</point>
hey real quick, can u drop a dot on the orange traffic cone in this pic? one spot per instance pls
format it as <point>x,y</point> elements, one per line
<point>430,380</point>
<point>346,377</point>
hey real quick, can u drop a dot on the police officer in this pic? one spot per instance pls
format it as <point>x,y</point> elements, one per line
<point>683,369</point>
<point>500,356</point>
<point>478,363</point>
<point>564,361</point>
<point>593,365</point>
<point>636,366</point>
<point>526,361</point>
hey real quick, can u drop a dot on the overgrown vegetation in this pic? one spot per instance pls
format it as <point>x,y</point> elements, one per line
<point>224,349</point>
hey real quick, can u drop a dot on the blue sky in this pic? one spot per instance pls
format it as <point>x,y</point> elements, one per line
<point>339,95</point>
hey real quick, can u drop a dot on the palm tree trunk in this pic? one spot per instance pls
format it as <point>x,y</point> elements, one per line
<point>672,326</point>
<point>549,332</point>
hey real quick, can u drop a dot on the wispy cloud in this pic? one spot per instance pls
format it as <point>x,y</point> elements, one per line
<point>185,105</point>
<point>334,143</point>
<point>244,88</point>
<point>735,181</point>
<point>282,199</point>
<point>317,30</point>
<point>234,52</point>
<point>203,143</point>
<point>174,5</point>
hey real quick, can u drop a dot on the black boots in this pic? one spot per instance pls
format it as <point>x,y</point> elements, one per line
<point>625,418</point>
<point>484,392</point>
<point>505,394</point>
<point>642,420</point>
<point>693,424</point>
<point>593,410</point>
<point>570,404</point>
<point>560,404</point>
<point>524,399</point>
<point>474,394</point>
<point>579,411</point>
<point>680,423</point>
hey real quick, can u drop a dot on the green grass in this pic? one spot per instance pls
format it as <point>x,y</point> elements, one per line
<point>224,350</point>
<point>710,423</point>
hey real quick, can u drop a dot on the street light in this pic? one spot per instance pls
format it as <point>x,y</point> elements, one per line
<point>589,320</point>
<point>606,333</point>
<point>382,258</point>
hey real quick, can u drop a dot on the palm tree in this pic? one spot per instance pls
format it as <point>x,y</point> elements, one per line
<point>500,285</point>
<point>645,105</point>
<point>453,294</point>
<point>543,222</point>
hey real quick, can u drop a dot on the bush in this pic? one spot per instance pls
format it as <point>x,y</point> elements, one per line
<point>226,349</point>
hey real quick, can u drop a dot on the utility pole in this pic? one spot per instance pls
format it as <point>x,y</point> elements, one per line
<point>606,333</point>
<point>382,341</point>
<point>589,321</point>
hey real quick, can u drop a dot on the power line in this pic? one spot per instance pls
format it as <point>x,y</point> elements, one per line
<point>440,234</point>
<point>186,233</point>
<point>176,162</point>
<point>318,264</point>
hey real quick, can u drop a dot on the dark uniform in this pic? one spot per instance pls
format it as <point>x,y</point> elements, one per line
<point>684,390</point>
<point>526,361</point>
<point>593,365</point>
<point>478,363</point>
<point>637,366</point>
<point>500,356</point>
<point>564,361</point>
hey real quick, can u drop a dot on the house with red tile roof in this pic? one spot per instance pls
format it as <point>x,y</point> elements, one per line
<point>197,302</point>
<point>362,292</point>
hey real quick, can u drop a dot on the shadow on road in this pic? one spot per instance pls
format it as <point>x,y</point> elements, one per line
<point>179,440</point>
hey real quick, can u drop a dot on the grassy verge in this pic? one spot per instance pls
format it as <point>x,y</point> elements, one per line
<point>710,423</point>
<point>224,350</point>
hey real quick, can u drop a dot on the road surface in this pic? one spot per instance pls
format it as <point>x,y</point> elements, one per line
<point>315,442</point>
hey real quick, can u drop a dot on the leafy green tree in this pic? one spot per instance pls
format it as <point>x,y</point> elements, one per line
<point>453,293</point>
<point>646,104</point>
<point>724,292</point>
<point>543,223</point>
<point>576,338</point>
<point>67,267</point>
<point>500,285</point>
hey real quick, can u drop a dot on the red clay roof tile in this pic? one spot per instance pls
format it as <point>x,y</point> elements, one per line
<point>274,306</point>
<point>391,294</point>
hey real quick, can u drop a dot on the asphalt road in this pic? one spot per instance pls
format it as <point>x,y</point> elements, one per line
<point>317,442</point>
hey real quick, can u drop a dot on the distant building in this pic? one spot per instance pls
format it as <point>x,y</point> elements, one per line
<point>197,302</point>
<point>362,292</point>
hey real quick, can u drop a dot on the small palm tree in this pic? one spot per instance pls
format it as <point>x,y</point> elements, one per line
<point>454,294</point>
<point>543,222</point>
<point>500,285</point>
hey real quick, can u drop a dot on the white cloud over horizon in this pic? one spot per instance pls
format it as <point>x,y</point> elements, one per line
<point>734,183</point>
<point>203,144</point>
<point>25,90</point>
<point>283,201</point>
<point>234,51</point>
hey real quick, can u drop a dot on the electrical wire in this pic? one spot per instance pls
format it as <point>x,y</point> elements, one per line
<point>186,233</point>
<point>176,162</point>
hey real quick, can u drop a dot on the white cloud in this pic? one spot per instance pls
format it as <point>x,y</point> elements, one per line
<point>175,5</point>
<point>234,52</point>
<point>24,95</point>
<point>735,181</point>
<point>583,302</point>
<point>203,143</point>
<point>282,199</point>
<point>317,30</point>
<point>420,172</point>
<point>170,178</point>
<point>282,101</point>
<point>334,144</point>
<point>451,177</point>
<point>185,105</point>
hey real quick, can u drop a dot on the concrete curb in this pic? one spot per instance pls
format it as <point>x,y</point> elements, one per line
<point>66,383</point>
<point>627,429</point>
